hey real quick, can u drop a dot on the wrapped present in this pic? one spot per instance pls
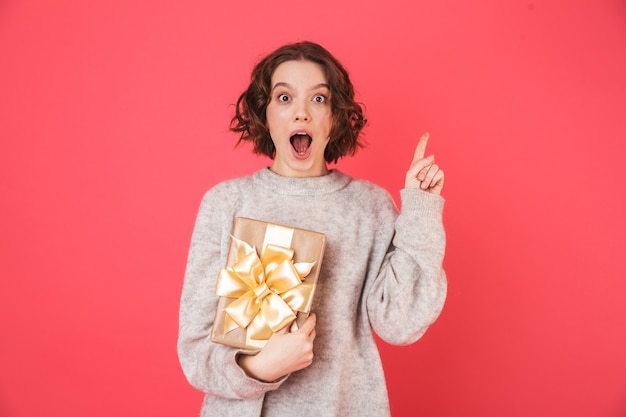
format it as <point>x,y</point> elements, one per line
<point>268,282</point>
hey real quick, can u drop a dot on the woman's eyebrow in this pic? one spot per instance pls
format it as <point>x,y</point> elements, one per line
<point>321,85</point>
<point>287,85</point>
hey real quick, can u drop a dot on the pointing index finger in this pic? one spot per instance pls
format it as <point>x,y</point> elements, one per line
<point>420,150</point>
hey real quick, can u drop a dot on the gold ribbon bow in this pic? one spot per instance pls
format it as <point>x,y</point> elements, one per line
<point>268,290</point>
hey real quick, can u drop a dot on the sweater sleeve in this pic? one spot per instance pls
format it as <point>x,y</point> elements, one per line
<point>210,367</point>
<point>410,289</point>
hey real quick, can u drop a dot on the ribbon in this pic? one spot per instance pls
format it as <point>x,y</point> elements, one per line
<point>267,291</point>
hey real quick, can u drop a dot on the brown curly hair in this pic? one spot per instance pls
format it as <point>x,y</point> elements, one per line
<point>347,115</point>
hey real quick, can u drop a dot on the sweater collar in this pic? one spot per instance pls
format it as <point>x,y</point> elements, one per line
<point>333,181</point>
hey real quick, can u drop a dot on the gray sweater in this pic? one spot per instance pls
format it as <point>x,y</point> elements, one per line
<point>381,271</point>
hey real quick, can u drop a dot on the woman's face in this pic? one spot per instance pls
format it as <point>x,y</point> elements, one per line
<point>299,119</point>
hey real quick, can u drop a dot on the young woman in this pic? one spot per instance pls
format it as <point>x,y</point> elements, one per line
<point>382,269</point>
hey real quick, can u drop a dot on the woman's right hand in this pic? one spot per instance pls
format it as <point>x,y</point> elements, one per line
<point>285,352</point>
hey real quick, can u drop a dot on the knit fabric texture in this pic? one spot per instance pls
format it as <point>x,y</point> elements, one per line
<point>382,272</point>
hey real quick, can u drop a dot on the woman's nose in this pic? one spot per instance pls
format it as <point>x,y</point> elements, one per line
<point>302,112</point>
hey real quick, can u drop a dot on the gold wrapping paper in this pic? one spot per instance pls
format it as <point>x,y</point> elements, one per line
<point>269,280</point>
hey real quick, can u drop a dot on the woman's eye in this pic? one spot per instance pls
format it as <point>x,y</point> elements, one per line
<point>283,97</point>
<point>319,98</point>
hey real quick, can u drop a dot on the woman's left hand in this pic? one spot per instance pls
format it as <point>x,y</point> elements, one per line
<point>423,172</point>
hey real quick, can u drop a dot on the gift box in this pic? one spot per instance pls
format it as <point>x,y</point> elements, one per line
<point>268,282</point>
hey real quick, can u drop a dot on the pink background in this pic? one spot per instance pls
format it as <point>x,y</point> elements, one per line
<point>113,123</point>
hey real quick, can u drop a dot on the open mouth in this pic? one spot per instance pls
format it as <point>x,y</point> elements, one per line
<point>301,142</point>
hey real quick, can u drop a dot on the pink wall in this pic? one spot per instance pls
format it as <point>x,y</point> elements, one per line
<point>113,122</point>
